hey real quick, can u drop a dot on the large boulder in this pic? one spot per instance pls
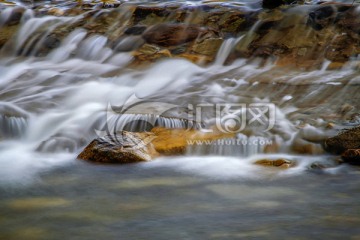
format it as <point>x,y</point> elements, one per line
<point>349,139</point>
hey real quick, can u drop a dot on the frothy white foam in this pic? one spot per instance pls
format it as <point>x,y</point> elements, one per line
<point>219,167</point>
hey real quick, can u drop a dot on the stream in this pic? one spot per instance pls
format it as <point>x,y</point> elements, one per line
<point>53,103</point>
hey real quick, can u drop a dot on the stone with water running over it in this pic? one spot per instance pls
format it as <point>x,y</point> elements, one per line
<point>132,147</point>
<point>281,163</point>
<point>127,147</point>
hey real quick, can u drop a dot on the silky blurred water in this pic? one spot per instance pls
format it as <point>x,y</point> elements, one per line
<point>52,105</point>
<point>85,201</point>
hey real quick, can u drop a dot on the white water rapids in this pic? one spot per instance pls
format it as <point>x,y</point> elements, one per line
<point>51,106</point>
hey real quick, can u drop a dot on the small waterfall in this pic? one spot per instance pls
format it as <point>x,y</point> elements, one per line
<point>68,46</point>
<point>225,50</point>
<point>13,121</point>
<point>94,49</point>
<point>12,127</point>
<point>5,15</point>
<point>145,122</point>
<point>33,33</point>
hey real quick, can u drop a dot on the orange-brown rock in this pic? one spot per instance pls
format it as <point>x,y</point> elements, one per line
<point>282,163</point>
<point>196,58</point>
<point>6,33</point>
<point>127,147</point>
<point>175,141</point>
<point>148,53</point>
<point>132,147</point>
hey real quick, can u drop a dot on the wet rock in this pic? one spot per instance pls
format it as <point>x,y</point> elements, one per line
<point>349,22</point>
<point>148,53</point>
<point>321,166</point>
<point>132,147</point>
<point>56,12</point>
<point>335,65</point>
<point>349,139</point>
<point>345,109</point>
<point>208,47</point>
<point>317,166</point>
<point>13,18</point>
<point>351,156</point>
<point>142,12</point>
<point>197,58</point>
<point>342,15</point>
<point>282,163</point>
<point>135,30</point>
<point>175,141</point>
<point>166,35</point>
<point>230,23</point>
<point>127,147</point>
<point>52,42</point>
<point>322,17</point>
<point>6,33</point>
<point>304,147</point>
<point>330,125</point>
<point>179,49</point>
<point>341,48</point>
<point>130,43</point>
<point>149,49</point>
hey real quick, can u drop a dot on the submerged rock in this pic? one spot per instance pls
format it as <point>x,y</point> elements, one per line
<point>349,139</point>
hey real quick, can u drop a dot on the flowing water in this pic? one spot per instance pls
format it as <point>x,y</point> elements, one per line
<point>53,104</point>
